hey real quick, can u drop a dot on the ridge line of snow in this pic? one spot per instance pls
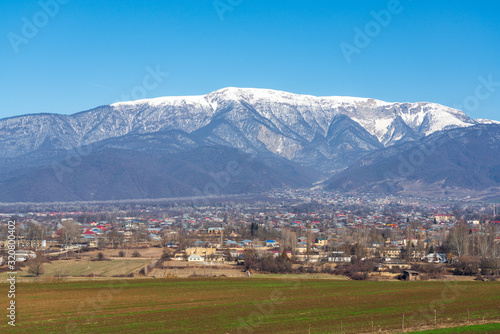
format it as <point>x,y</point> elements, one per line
<point>259,93</point>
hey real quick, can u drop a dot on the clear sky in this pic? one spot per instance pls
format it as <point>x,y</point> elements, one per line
<point>89,53</point>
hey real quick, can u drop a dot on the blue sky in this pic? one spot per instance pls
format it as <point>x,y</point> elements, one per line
<point>90,53</point>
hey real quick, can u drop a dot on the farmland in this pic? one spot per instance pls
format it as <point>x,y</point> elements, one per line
<point>250,305</point>
<point>77,268</point>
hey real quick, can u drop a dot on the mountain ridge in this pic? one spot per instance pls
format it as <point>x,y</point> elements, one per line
<point>291,115</point>
<point>177,146</point>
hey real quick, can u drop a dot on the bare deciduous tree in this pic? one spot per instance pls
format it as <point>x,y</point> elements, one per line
<point>69,232</point>
<point>459,239</point>
<point>484,242</point>
<point>35,231</point>
<point>36,267</point>
<point>115,238</point>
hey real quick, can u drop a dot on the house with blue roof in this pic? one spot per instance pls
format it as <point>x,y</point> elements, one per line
<point>271,243</point>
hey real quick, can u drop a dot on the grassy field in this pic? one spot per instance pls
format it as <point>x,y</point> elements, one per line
<point>249,305</point>
<point>302,276</point>
<point>486,328</point>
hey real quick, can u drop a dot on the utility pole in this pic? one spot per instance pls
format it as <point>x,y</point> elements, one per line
<point>309,236</point>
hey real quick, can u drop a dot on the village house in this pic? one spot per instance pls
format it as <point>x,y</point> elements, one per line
<point>444,218</point>
<point>435,258</point>
<point>215,230</point>
<point>271,243</point>
<point>22,242</point>
<point>391,252</point>
<point>320,242</point>
<point>338,256</point>
<point>200,251</point>
<point>195,258</point>
<point>23,255</point>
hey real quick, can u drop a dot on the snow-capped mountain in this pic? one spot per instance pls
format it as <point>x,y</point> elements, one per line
<point>486,121</point>
<point>231,141</point>
<point>289,125</point>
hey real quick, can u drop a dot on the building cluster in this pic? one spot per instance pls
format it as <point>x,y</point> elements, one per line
<point>307,226</point>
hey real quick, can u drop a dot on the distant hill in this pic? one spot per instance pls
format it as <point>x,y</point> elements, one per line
<point>443,163</point>
<point>113,174</point>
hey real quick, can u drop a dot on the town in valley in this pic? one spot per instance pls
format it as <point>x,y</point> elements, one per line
<point>360,237</point>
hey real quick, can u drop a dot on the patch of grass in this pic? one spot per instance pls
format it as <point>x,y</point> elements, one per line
<point>486,328</point>
<point>302,276</point>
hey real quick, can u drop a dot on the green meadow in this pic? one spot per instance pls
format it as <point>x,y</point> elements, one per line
<point>252,305</point>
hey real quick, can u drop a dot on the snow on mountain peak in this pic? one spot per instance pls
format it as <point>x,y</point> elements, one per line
<point>285,109</point>
<point>486,121</point>
<point>164,100</point>
<point>278,117</point>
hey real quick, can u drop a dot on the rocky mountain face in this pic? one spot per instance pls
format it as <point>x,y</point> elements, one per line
<point>280,140</point>
<point>248,119</point>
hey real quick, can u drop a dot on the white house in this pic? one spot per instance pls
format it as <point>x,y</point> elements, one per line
<point>195,258</point>
<point>337,256</point>
<point>23,255</point>
<point>435,257</point>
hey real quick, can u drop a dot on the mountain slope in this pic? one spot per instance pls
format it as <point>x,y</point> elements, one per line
<point>109,173</point>
<point>445,161</point>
